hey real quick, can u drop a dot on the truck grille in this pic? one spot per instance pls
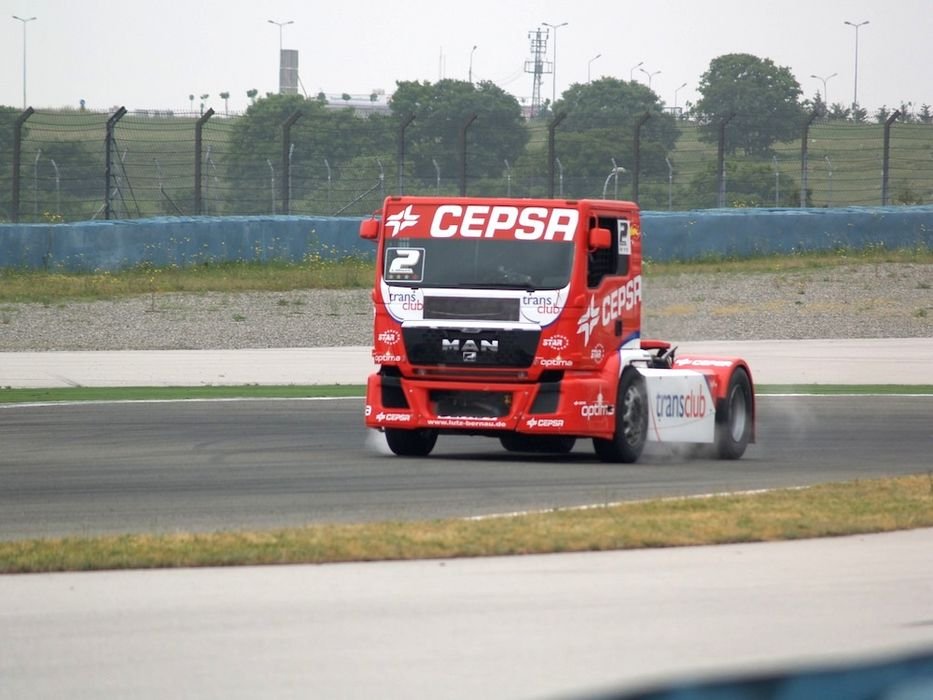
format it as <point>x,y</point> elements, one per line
<point>472,308</point>
<point>472,404</point>
<point>471,348</point>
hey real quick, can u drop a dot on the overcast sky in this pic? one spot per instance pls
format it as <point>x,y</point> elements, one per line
<point>153,54</point>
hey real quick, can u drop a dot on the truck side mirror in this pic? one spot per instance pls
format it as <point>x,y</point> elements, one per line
<point>599,239</point>
<point>369,229</point>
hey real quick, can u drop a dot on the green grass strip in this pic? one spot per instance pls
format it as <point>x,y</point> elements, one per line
<point>171,393</point>
<point>61,286</point>
<point>878,505</point>
<point>253,391</point>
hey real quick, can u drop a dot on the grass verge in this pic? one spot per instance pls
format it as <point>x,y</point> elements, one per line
<point>180,393</point>
<point>253,391</point>
<point>718,264</point>
<point>871,506</point>
<point>49,287</point>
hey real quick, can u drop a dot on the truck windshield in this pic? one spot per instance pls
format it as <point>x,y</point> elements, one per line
<point>480,263</point>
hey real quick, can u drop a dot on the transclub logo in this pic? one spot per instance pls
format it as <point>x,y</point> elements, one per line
<point>597,353</point>
<point>399,222</point>
<point>542,304</point>
<point>692,405</point>
<point>409,301</point>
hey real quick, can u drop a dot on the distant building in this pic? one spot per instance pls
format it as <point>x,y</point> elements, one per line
<point>288,72</point>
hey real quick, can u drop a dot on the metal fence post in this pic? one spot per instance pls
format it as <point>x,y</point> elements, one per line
<point>885,164</point>
<point>238,185</point>
<point>637,148</point>
<point>463,168</point>
<point>198,128</point>
<point>721,161</point>
<point>551,157</point>
<point>804,158</point>
<point>401,151</point>
<point>108,167</point>
<point>287,161</point>
<point>17,156</point>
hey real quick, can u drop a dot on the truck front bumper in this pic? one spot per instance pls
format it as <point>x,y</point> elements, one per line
<point>573,405</point>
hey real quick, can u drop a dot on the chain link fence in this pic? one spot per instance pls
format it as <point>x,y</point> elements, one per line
<point>78,165</point>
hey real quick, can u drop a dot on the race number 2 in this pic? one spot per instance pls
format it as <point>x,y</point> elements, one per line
<point>404,264</point>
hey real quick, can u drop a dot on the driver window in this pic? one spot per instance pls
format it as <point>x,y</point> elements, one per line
<point>610,261</point>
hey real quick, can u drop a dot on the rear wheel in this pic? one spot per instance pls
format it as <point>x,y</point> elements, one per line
<point>554,444</point>
<point>411,443</point>
<point>735,417</point>
<point>631,422</point>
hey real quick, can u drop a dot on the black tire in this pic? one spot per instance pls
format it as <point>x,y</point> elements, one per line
<point>554,444</point>
<point>735,417</point>
<point>631,422</point>
<point>411,443</point>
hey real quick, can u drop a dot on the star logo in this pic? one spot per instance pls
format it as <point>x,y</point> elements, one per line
<point>588,321</point>
<point>399,222</point>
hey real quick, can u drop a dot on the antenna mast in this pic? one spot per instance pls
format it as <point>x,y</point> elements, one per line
<point>538,66</point>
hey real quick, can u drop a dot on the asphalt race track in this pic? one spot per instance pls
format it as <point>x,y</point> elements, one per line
<point>504,627</point>
<point>97,468</point>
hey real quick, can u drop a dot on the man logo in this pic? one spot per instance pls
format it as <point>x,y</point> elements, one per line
<point>469,349</point>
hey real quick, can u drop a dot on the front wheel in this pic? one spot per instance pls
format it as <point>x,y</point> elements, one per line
<point>411,443</point>
<point>735,417</point>
<point>631,431</point>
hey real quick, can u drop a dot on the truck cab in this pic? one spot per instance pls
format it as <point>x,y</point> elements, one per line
<point>520,319</point>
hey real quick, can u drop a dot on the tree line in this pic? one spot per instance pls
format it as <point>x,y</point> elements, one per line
<point>762,104</point>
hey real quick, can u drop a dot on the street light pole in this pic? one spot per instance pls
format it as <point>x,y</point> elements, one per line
<point>280,25</point>
<point>825,80</point>
<point>650,75</point>
<point>589,64</point>
<point>25,21</point>
<point>855,91</point>
<point>631,73</point>
<point>555,27</point>
<point>678,89</point>
<point>470,74</point>
<point>614,173</point>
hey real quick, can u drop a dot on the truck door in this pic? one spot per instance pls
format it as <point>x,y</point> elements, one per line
<point>614,281</point>
<point>614,260</point>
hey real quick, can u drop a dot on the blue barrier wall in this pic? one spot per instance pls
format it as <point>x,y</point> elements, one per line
<point>748,232</point>
<point>112,245</point>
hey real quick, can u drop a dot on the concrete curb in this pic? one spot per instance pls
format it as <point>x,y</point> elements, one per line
<point>866,361</point>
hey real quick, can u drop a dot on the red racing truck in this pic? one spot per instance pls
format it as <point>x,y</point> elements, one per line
<point>520,319</point>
